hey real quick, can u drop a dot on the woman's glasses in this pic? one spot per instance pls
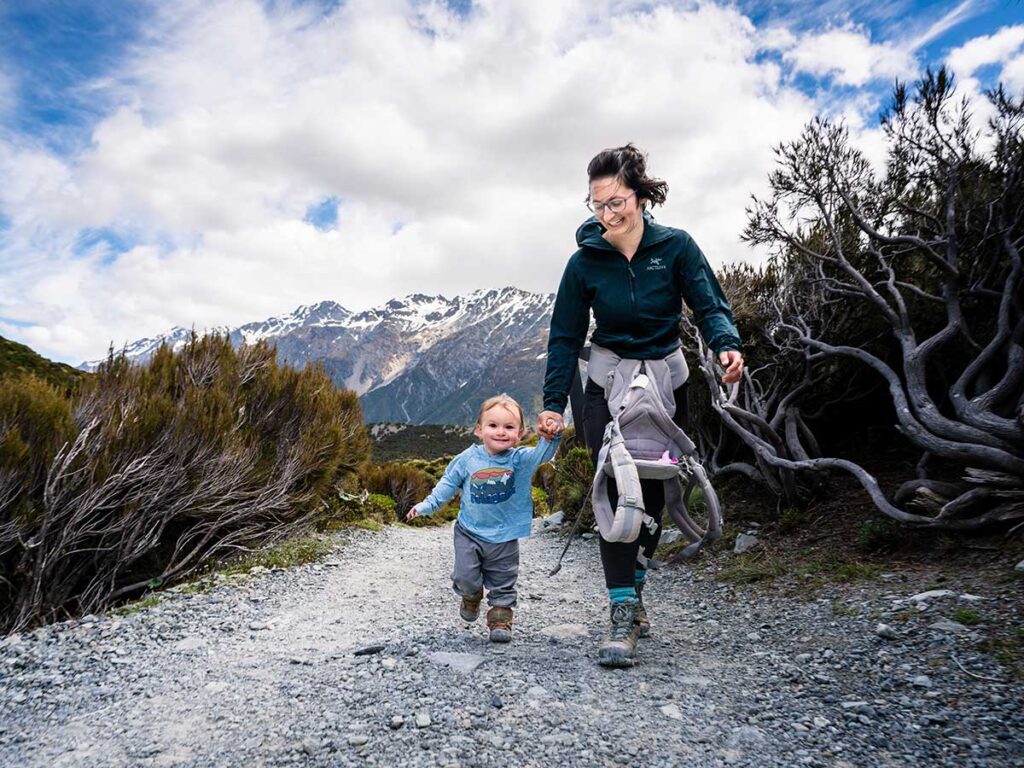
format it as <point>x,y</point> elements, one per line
<point>615,205</point>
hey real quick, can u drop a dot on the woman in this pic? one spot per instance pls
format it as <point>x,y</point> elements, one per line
<point>634,274</point>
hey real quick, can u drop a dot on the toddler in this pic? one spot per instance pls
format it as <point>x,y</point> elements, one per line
<point>495,511</point>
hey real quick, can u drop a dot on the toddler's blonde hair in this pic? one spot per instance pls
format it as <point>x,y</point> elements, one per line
<point>506,402</point>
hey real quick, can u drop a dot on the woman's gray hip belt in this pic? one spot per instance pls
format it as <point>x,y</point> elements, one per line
<point>603,361</point>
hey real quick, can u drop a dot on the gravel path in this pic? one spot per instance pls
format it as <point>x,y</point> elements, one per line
<point>262,670</point>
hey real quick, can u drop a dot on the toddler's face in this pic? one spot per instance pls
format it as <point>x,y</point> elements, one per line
<point>500,429</point>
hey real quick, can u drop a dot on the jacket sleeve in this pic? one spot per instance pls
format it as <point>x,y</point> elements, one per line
<point>449,484</point>
<point>704,296</point>
<point>570,319</point>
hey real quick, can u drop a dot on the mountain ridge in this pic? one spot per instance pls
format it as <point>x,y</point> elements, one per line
<point>418,359</point>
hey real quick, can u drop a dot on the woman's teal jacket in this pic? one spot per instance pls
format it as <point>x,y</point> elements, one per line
<point>637,304</point>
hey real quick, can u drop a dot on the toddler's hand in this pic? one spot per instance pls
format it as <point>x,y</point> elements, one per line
<point>550,424</point>
<point>412,514</point>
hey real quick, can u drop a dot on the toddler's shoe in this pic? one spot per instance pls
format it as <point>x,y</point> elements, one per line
<point>469,610</point>
<point>499,622</point>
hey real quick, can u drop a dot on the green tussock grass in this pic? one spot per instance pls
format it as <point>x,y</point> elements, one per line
<point>967,617</point>
<point>1008,650</point>
<point>752,569</point>
<point>285,554</point>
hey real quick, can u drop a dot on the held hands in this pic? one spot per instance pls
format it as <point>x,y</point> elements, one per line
<point>732,361</point>
<point>550,424</point>
<point>411,514</point>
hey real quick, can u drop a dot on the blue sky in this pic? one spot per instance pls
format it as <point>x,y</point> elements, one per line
<point>214,162</point>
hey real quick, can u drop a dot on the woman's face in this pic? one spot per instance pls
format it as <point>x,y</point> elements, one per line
<point>606,193</point>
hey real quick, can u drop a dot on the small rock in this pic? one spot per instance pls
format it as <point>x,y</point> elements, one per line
<point>969,598</point>
<point>460,662</point>
<point>388,662</point>
<point>1019,567</point>
<point>753,636</point>
<point>422,720</point>
<point>884,630</point>
<point>554,520</point>
<point>671,536</point>
<point>855,706</point>
<point>930,594</point>
<point>358,740</point>
<point>258,569</point>
<point>368,650</point>
<point>190,643</point>
<point>496,702</point>
<point>744,543</point>
<point>587,536</point>
<point>565,631</point>
<point>746,736</point>
<point>947,625</point>
<point>673,711</point>
<point>396,722</point>
<point>922,681</point>
<point>821,722</point>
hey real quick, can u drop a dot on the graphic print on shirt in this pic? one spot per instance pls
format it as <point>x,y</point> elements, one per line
<point>492,485</point>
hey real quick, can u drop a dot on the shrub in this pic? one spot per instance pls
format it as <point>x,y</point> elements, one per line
<point>574,475</point>
<point>875,535</point>
<point>540,502</point>
<point>404,483</point>
<point>193,456</point>
<point>379,507</point>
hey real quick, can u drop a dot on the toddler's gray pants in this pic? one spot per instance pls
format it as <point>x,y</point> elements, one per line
<point>483,564</point>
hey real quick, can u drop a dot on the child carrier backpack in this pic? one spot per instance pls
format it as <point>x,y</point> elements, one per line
<point>643,442</point>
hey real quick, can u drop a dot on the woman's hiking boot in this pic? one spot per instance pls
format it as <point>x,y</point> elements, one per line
<point>499,622</point>
<point>619,649</point>
<point>470,608</point>
<point>642,622</point>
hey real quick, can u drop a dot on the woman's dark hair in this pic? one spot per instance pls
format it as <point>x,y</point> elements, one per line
<point>629,165</point>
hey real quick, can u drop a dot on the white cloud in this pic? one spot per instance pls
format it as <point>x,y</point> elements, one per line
<point>1013,74</point>
<point>457,146</point>
<point>986,49</point>
<point>949,20</point>
<point>849,55</point>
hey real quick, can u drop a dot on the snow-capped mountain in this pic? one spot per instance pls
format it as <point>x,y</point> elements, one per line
<point>420,359</point>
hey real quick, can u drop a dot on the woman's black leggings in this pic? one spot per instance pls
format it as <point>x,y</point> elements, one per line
<point>619,558</point>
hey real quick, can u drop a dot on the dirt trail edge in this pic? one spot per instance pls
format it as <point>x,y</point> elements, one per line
<point>264,670</point>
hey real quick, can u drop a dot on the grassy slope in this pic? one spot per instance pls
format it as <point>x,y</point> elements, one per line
<point>17,359</point>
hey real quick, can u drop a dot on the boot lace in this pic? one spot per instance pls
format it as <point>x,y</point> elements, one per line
<point>622,620</point>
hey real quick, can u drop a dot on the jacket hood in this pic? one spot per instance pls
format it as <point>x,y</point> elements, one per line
<point>591,233</point>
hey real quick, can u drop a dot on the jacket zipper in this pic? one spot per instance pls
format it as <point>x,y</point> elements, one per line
<point>632,288</point>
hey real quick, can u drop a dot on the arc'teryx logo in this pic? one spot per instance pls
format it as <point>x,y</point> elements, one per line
<point>655,263</point>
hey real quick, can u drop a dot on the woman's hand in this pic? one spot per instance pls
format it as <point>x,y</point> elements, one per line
<point>550,424</point>
<point>732,361</point>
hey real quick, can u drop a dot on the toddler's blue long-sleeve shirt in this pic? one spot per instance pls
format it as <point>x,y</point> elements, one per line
<point>496,505</point>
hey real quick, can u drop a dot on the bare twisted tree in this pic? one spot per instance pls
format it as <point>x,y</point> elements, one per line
<point>914,276</point>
